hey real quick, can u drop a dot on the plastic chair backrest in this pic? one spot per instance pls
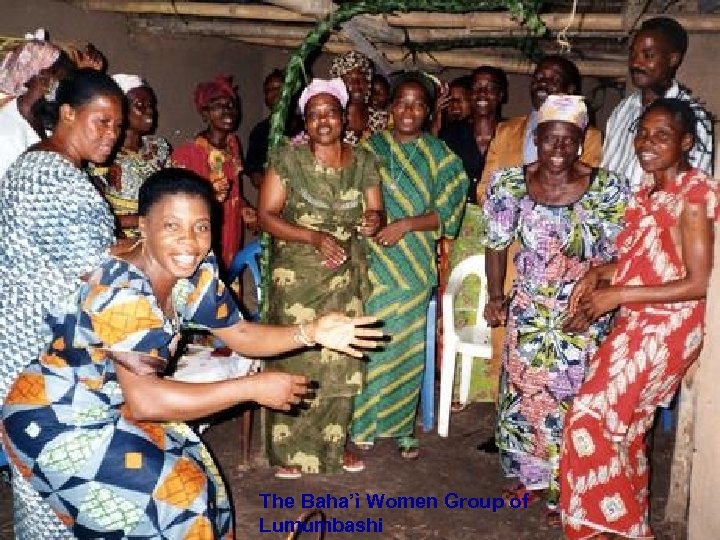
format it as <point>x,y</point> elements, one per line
<point>472,266</point>
<point>247,257</point>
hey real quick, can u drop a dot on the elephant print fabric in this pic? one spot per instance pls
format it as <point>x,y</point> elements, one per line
<point>302,288</point>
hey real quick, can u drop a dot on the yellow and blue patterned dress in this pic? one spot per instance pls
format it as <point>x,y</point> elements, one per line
<point>105,475</point>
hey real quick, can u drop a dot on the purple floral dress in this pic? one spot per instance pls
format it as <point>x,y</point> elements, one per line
<point>543,366</point>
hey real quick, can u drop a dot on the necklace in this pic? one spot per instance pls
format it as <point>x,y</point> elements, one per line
<point>413,153</point>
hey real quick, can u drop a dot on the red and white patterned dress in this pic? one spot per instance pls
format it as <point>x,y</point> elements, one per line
<point>639,366</point>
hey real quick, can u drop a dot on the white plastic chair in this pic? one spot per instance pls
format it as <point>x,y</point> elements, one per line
<point>471,341</point>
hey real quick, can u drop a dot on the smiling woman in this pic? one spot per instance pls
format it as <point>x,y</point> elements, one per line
<point>55,228</point>
<point>92,423</point>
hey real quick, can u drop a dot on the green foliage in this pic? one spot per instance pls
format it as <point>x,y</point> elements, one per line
<point>524,12</point>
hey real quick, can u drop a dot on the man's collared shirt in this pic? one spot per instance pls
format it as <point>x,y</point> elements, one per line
<point>619,152</point>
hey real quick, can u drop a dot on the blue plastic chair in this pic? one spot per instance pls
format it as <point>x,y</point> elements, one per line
<point>427,394</point>
<point>247,257</point>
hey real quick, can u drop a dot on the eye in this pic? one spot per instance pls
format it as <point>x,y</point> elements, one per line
<point>202,227</point>
<point>170,226</point>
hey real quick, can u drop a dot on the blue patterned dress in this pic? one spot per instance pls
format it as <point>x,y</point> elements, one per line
<point>105,475</point>
<point>543,365</point>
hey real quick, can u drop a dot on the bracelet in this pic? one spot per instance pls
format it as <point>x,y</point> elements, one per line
<point>301,336</point>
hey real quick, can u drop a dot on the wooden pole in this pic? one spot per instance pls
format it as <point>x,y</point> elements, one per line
<point>583,22</point>
<point>704,518</point>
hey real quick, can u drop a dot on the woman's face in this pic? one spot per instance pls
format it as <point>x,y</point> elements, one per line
<point>142,110</point>
<point>357,84</point>
<point>459,105</point>
<point>177,233</point>
<point>379,95</point>
<point>486,94</point>
<point>660,142</point>
<point>323,119</point>
<point>557,145</point>
<point>222,114</point>
<point>409,109</point>
<point>94,127</point>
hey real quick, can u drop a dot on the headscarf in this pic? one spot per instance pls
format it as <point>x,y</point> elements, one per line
<point>128,82</point>
<point>335,87</point>
<point>23,63</point>
<point>220,86</point>
<point>349,61</point>
<point>564,108</point>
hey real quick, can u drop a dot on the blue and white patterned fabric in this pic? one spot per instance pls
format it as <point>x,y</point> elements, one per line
<point>54,227</point>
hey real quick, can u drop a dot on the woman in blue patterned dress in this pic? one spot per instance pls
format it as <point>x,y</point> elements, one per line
<point>91,423</point>
<point>54,227</point>
<point>565,216</point>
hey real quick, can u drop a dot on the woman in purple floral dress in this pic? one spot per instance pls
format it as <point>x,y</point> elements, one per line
<point>565,215</point>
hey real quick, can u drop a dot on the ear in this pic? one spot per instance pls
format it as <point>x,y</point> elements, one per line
<point>142,226</point>
<point>67,113</point>
<point>675,59</point>
<point>687,142</point>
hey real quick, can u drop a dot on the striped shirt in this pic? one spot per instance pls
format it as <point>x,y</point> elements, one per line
<point>619,152</point>
<point>418,177</point>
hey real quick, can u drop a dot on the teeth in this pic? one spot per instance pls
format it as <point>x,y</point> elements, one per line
<point>184,259</point>
<point>646,156</point>
<point>482,103</point>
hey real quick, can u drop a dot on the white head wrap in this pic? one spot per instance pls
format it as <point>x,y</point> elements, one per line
<point>128,82</point>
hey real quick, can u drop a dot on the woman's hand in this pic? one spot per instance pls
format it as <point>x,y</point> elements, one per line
<point>599,302</point>
<point>278,390</point>
<point>329,248</point>
<point>345,334</point>
<point>392,233</point>
<point>586,285</point>
<point>495,312</point>
<point>371,223</point>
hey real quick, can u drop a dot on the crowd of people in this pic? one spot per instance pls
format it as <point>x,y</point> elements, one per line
<point>598,256</point>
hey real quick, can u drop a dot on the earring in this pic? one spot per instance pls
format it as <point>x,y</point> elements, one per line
<point>580,150</point>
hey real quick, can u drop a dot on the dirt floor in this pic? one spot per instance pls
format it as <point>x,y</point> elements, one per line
<point>446,466</point>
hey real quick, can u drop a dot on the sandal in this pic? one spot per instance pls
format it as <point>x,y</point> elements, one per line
<point>364,446</point>
<point>291,472</point>
<point>409,448</point>
<point>456,406</point>
<point>352,464</point>
<point>553,519</point>
<point>518,491</point>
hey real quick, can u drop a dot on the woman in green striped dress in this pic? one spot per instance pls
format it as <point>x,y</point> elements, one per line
<point>424,188</point>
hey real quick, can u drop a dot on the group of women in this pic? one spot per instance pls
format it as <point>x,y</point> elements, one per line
<point>604,317</point>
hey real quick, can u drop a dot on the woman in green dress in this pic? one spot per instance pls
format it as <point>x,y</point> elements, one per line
<point>319,200</point>
<point>424,189</point>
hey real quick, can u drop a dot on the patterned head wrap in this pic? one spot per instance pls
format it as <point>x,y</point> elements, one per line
<point>335,87</point>
<point>349,61</point>
<point>128,82</point>
<point>220,86</point>
<point>23,63</point>
<point>564,108</point>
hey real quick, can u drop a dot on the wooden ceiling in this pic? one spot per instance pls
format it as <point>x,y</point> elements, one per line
<point>598,38</point>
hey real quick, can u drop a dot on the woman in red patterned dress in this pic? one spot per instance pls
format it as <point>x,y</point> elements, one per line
<point>215,154</point>
<point>659,282</point>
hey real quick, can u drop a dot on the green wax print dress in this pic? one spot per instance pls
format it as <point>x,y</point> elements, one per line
<point>418,177</point>
<point>302,288</point>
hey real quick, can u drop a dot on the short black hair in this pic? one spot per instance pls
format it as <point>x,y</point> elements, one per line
<point>680,110</point>
<point>274,74</point>
<point>569,69</point>
<point>670,29</point>
<point>78,88</point>
<point>173,181</point>
<point>496,72</point>
<point>461,82</point>
<point>415,77</point>
<point>380,78</point>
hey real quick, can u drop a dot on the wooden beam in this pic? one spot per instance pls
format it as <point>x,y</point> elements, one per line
<point>194,9</point>
<point>462,58</point>
<point>584,22</point>
<point>311,8</point>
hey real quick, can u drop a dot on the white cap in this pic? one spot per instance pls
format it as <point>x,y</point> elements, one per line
<point>128,82</point>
